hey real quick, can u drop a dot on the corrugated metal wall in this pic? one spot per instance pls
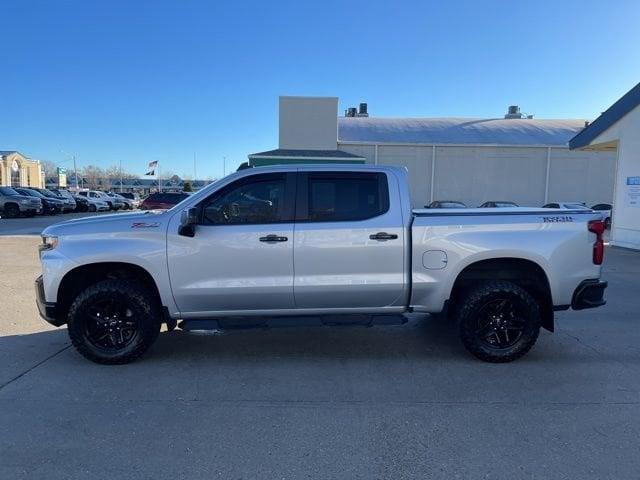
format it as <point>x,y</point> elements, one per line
<point>477,174</point>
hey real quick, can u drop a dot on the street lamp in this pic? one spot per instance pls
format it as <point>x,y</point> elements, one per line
<point>75,169</point>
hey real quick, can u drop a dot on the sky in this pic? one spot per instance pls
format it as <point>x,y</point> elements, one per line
<point>135,81</point>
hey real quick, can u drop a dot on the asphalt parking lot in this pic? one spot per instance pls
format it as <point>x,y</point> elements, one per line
<point>349,403</point>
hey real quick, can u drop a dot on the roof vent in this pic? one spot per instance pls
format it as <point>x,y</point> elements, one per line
<point>513,112</point>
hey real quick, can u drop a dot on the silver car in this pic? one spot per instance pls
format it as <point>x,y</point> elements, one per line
<point>13,204</point>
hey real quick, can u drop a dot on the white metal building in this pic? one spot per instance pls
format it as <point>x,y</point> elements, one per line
<point>468,159</point>
<point>617,131</point>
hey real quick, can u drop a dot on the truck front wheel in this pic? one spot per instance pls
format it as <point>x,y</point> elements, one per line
<point>113,321</point>
<point>498,321</point>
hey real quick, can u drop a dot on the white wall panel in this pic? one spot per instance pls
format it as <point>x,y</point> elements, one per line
<point>418,162</point>
<point>366,151</point>
<point>478,174</point>
<point>581,176</point>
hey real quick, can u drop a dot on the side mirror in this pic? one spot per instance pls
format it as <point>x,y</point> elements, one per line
<point>188,221</point>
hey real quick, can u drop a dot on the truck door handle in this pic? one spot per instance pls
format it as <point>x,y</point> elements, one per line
<point>383,236</point>
<point>273,238</point>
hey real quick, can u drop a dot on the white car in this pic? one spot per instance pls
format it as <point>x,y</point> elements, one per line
<point>224,258</point>
<point>112,202</point>
<point>96,204</point>
<point>605,209</point>
<point>567,205</point>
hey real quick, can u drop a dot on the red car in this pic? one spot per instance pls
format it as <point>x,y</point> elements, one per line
<point>162,201</point>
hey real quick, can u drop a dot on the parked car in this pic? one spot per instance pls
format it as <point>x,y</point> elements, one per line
<point>126,203</point>
<point>162,200</point>
<point>498,204</point>
<point>13,203</point>
<point>134,197</point>
<point>445,204</point>
<point>567,205</point>
<point>67,197</point>
<point>66,205</point>
<point>605,209</point>
<point>82,203</point>
<point>113,203</point>
<point>96,204</point>
<point>358,249</point>
<point>50,205</point>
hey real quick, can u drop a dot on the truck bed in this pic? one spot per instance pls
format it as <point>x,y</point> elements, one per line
<point>446,241</point>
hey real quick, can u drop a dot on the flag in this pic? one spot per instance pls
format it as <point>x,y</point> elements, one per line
<point>152,167</point>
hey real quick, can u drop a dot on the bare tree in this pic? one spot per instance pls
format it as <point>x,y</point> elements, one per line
<point>49,168</point>
<point>92,176</point>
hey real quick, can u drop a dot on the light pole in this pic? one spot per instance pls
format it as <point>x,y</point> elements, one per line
<point>75,169</point>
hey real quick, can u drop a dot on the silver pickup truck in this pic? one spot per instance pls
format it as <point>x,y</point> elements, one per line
<point>332,244</point>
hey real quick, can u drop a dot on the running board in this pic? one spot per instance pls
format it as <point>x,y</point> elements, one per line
<point>243,323</point>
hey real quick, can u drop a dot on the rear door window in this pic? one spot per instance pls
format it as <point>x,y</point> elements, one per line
<point>342,196</point>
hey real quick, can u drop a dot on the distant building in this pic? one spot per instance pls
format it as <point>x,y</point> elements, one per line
<point>473,160</point>
<point>16,170</point>
<point>139,185</point>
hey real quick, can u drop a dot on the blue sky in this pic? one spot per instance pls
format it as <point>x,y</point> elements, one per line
<point>133,81</point>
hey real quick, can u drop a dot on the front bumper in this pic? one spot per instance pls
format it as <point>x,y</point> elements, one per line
<point>47,309</point>
<point>589,294</point>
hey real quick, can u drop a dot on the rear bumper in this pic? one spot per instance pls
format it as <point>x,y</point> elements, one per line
<point>47,309</point>
<point>589,294</point>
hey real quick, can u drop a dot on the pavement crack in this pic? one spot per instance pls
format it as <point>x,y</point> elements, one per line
<point>30,369</point>
<point>577,339</point>
<point>592,348</point>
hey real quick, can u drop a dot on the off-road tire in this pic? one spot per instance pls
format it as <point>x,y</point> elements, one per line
<point>137,299</point>
<point>470,308</point>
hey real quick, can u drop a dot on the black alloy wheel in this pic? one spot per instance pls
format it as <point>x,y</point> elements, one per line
<point>498,321</point>
<point>114,321</point>
<point>110,325</point>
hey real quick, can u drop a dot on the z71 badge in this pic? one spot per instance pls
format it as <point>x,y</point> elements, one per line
<point>559,219</point>
<point>145,225</point>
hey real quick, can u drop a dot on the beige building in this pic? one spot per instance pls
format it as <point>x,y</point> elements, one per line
<point>16,170</point>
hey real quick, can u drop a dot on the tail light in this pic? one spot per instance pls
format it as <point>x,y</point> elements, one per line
<point>597,227</point>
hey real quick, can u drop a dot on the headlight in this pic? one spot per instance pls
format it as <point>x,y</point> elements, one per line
<point>49,242</point>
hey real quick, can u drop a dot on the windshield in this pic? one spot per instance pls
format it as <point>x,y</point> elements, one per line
<point>48,193</point>
<point>32,193</point>
<point>8,191</point>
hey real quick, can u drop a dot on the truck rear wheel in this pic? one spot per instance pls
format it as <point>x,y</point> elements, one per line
<point>113,321</point>
<point>498,321</point>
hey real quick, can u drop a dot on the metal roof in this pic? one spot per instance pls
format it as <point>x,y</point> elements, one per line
<point>615,112</point>
<point>458,131</point>
<point>287,153</point>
